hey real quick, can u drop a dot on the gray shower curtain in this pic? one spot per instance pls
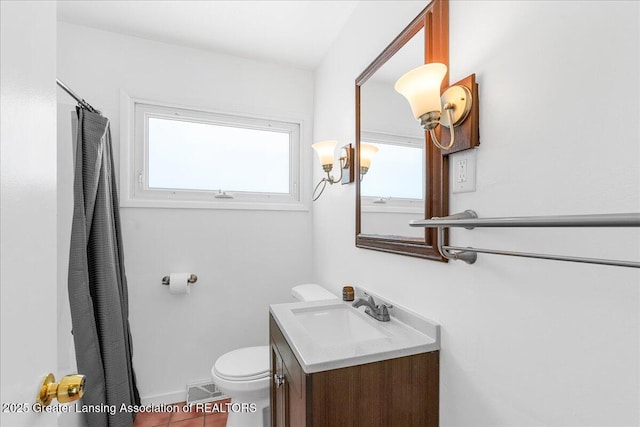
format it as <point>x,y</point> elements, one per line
<point>97,284</point>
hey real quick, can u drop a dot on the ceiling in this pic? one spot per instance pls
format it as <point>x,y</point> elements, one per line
<point>294,33</point>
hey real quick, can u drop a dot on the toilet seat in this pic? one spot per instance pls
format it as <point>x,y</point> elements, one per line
<point>244,364</point>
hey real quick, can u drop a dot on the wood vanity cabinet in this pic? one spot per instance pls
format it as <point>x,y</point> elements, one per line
<point>397,392</point>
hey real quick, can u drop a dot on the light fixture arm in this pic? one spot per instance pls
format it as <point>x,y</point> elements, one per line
<point>363,172</point>
<point>456,102</point>
<point>323,181</point>
<point>330,179</point>
<point>448,107</point>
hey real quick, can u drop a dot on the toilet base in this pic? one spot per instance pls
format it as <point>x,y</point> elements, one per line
<point>248,414</point>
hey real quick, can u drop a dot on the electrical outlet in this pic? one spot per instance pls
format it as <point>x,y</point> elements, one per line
<point>463,171</point>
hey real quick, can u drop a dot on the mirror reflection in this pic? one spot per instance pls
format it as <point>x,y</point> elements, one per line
<point>392,191</point>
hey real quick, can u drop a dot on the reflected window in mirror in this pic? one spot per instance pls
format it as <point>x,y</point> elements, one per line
<point>392,192</point>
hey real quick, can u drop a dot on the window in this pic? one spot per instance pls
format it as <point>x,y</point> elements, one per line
<point>395,180</point>
<point>188,158</point>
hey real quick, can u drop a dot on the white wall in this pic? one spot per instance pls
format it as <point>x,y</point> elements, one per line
<point>245,260</point>
<point>524,342</point>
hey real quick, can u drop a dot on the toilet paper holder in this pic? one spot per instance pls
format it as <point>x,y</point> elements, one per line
<point>192,279</point>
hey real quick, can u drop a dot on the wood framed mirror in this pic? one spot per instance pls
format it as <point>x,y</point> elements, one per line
<point>412,179</point>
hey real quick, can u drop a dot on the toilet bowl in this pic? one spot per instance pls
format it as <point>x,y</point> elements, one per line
<point>244,374</point>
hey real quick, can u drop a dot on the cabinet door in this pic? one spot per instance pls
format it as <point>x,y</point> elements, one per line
<point>279,391</point>
<point>288,401</point>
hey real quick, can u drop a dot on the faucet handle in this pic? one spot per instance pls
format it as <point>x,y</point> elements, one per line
<point>383,314</point>
<point>379,306</point>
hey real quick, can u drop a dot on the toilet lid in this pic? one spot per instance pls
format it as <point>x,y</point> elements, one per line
<point>250,363</point>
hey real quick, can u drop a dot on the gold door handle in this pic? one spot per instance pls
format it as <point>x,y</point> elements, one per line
<point>70,388</point>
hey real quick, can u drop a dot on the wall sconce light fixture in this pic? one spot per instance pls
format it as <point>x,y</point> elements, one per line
<point>367,151</point>
<point>325,151</point>
<point>421,87</point>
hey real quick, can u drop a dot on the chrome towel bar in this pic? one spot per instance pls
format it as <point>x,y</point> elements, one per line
<point>469,220</point>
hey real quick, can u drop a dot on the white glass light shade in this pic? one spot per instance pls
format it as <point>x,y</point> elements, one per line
<point>367,151</point>
<point>325,151</point>
<point>421,87</point>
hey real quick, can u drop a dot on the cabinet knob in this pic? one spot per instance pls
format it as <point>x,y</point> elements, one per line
<point>278,379</point>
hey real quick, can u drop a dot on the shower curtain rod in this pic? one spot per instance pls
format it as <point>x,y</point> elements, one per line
<point>81,101</point>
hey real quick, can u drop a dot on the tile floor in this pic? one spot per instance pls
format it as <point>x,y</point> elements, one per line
<point>197,417</point>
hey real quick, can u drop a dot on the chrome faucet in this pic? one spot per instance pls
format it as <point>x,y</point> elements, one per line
<point>378,312</point>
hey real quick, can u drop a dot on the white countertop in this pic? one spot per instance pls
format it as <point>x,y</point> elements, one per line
<point>320,350</point>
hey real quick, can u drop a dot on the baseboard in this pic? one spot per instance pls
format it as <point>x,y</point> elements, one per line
<point>166,398</point>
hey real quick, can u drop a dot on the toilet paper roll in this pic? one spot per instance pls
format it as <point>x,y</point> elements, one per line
<point>178,283</point>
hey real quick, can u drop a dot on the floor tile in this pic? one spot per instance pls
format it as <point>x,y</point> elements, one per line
<point>215,420</point>
<point>192,418</point>
<point>191,422</point>
<point>215,407</point>
<point>185,415</point>
<point>151,419</point>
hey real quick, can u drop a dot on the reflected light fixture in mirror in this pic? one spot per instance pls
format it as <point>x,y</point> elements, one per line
<point>325,151</point>
<point>367,151</point>
<point>421,87</point>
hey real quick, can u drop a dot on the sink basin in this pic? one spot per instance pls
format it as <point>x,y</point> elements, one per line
<point>332,334</point>
<point>336,324</point>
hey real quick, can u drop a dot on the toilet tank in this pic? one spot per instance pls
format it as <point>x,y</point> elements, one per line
<point>311,292</point>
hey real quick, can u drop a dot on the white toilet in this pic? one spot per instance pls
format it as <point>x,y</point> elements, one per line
<point>244,374</point>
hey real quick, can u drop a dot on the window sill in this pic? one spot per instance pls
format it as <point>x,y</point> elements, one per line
<point>215,204</point>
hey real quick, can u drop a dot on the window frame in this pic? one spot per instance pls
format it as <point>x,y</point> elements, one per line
<point>134,167</point>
